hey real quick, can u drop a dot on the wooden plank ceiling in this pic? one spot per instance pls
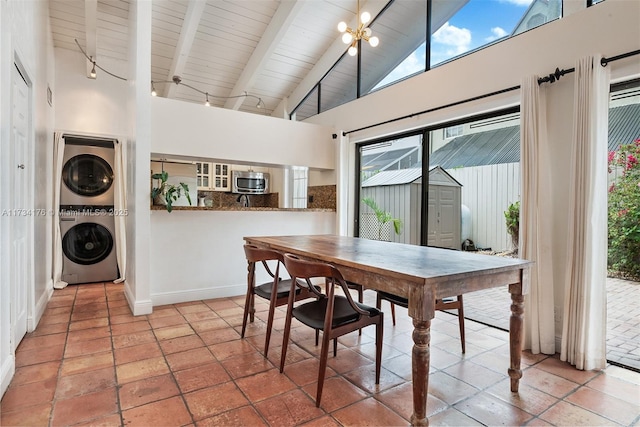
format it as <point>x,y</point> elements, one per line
<point>275,50</point>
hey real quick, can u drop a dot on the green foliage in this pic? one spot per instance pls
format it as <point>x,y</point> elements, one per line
<point>168,193</point>
<point>512,217</point>
<point>624,212</point>
<point>383,217</point>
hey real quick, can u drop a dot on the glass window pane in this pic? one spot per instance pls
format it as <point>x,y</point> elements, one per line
<point>401,29</point>
<point>299,182</point>
<point>339,85</point>
<point>391,185</point>
<point>308,107</point>
<point>485,159</point>
<point>624,179</point>
<point>459,27</point>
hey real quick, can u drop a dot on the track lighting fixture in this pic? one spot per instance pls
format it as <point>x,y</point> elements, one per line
<point>178,81</point>
<point>93,74</point>
<point>93,70</point>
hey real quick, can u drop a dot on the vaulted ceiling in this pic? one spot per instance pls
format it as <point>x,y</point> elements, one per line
<point>275,50</point>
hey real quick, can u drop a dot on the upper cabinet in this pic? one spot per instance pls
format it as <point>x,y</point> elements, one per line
<point>213,176</point>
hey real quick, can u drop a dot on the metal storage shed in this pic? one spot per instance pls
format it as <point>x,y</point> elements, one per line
<point>398,192</point>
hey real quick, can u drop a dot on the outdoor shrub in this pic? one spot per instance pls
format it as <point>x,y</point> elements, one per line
<point>624,212</point>
<point>512,216</point>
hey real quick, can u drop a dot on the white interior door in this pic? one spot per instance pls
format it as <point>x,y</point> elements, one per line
<point>21,215</point>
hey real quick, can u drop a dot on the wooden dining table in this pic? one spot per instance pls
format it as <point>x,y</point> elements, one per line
<point>422,274</point>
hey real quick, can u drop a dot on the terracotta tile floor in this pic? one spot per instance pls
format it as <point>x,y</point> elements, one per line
<point>90,362</point>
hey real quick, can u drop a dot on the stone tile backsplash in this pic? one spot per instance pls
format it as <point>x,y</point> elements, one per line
<point>319,197</point>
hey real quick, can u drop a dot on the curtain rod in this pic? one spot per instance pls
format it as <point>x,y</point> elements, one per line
<point>604,61</point>
<point>551,78</point>
<point>453,104</point>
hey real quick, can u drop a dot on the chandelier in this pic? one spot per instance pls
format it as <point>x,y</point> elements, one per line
<point>351,36</point>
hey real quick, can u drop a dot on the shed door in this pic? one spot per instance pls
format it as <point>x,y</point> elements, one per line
<point>444,217</point>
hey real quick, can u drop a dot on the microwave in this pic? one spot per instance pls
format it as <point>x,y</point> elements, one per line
<point>248,182</point>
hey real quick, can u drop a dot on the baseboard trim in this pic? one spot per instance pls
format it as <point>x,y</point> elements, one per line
<point>138,308</point>
<point>6,373</point>
<point>41,306</point>
<point>198,294</point>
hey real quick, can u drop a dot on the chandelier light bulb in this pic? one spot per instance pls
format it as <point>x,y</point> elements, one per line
<point>360,32</point>
<point>153,92</point>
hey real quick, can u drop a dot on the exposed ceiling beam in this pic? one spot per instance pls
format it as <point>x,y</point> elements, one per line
<point>277,28</point>
<point>187,34</point>
<point>90,29</point>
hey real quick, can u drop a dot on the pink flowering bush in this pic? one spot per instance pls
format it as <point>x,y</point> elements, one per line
<point>624,212</point>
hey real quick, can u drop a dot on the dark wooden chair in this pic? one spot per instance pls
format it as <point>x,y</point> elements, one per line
<point>334,315</point>
<point>360,290</point>
<point>441,304</point>
<point>281,286</point>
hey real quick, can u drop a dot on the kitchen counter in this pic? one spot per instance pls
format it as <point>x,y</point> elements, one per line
<point>238,208</point>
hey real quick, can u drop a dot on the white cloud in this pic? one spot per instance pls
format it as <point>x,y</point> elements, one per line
<point>412,64</point>
<point>518,2</point>
<point>458,39</point>
<point>496,33</point>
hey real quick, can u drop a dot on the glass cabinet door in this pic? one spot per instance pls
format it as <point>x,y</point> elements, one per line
<point>221,176</point>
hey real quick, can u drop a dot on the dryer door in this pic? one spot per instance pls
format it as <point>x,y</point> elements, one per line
<point>87,243</point>
<point>87,175</point>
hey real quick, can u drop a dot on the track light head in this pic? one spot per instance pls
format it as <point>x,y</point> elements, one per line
<point>93,69</point>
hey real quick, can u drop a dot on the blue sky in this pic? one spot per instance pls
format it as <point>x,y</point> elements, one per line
<point>476,24</point>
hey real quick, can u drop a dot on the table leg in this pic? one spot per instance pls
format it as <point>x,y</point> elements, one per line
<point>420,371</point>
<point>515,335</point>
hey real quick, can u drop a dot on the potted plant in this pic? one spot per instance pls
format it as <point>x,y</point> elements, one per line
<point>166,193</point>
<point>383,217</point>
<point>512,217</point>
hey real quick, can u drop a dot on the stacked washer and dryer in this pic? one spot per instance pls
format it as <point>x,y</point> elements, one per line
<point>87,222</point>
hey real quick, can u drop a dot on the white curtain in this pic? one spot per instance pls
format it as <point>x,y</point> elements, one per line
<point>585,300</point>
<point>58,155</point>
<point>535,218</point>
<point>120,207</point>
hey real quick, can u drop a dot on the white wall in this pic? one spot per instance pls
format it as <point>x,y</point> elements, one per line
<point>90,106</point>
<point>198,254</point>
<point>25,36</point>
<point>137,283</point>
<point>194,130</point>
<point>609,28</point>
